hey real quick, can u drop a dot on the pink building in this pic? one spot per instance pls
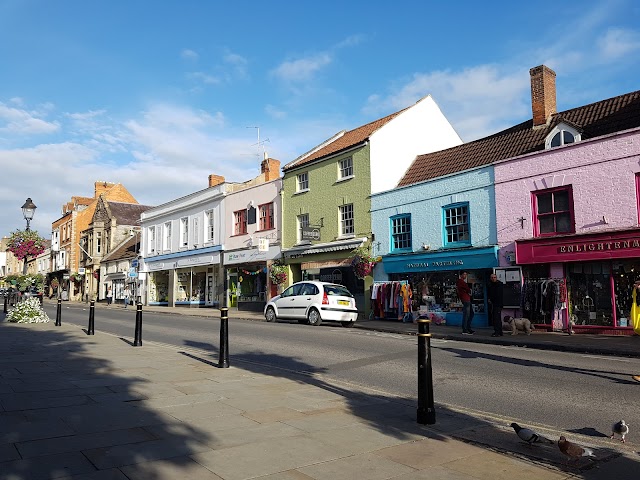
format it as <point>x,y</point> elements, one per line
<point>567,215</point>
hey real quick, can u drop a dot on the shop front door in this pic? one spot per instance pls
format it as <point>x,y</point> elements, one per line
<point>210,295</point>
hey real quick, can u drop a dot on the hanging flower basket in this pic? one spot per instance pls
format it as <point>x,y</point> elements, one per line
<point>76,277</point>
<point>55,283</point>
<point>362,262</point>
<point>25,243</point>
<point>278,273</point>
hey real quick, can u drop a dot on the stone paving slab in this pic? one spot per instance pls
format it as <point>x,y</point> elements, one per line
<point>77,443</point>
<point>178,468</point>
<point>47,467</point>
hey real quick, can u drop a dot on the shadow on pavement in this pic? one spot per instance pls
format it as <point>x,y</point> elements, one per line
<point>65,412</point>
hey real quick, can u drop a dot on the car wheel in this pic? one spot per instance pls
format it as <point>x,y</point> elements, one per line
<point>348,324</point>
<point>314,317</point>
<point>270,315</point>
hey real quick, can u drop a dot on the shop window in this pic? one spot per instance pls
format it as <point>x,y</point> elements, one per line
<point>401,233</point>
<point>589,288</point>
<point>240,222</point>
<point>302,184</point>
<point>266,216</point>
<point>553,211</point>
<point>303,221</point>
<point>345,168</point>
<point>456,225</point>
<point>347,226</point>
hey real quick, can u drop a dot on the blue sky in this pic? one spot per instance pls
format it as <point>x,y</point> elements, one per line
<point>158,95</point>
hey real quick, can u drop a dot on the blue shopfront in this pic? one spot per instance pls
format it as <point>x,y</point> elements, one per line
<point>433,276</point>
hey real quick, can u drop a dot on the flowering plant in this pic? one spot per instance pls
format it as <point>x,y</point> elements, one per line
<point>25,243</point>
<point>277,273</point>
<point>76,277</point>
<point>363,262</point>
<point>55,283</point>
<point>28,311</point>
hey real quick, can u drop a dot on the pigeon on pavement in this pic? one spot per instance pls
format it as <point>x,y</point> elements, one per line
<point>530,436</point>
<point>620,428</point>
<point>573,451</point>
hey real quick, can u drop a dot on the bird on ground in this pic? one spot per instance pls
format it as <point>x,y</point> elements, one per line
<point>530,436</point>
<point>620,428</point>
<point>573,451</point>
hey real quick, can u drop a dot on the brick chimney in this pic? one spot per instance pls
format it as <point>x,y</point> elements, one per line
<point>215,180</point>
<point>543,94</point>
<point>101,187</point>
<point>270,167</point>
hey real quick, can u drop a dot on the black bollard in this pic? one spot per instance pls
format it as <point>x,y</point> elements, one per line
<point>223,361</point>
<point>59,313</point>
<point>426,407</point>
<point>91,330</point>
<point>137,341</point>
<point>6,302</point>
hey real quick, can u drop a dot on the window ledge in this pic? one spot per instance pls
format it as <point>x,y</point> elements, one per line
<point>346,237</point>
<point>344,179</point>
<point>301,191</point>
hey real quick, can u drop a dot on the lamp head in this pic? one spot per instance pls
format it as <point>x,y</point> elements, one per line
<point>28,209</point>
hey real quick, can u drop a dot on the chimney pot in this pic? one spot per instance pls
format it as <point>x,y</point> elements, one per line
<point>215,180</point>
<point>543,94</point>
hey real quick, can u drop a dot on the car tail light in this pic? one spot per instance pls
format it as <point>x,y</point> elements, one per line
<point>325,299</point>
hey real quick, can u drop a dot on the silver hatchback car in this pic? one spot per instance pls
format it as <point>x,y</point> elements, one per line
<point>313,302</point>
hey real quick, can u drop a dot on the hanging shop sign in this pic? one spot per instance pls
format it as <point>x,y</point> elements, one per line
<point>311,234</point>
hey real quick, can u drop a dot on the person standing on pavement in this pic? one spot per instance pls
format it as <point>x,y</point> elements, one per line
<point>126,294</point>
<point>464,294</point>
<point>109,295</point>
<point>495,292</point>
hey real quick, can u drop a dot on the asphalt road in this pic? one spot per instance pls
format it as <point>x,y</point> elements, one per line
<point>562,391</point>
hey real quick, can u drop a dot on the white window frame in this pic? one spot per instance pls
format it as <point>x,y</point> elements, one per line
<point>302,182</point>
<point>98,243</point>
<point>345,168</point>
<point>211,234</point>
<point>184,232</point>
<point>151,243</point>
<point>302,221</point>
<point>167,236</point>
<point>347,220</point>
<point>560,130</point>
<point>195,227</point>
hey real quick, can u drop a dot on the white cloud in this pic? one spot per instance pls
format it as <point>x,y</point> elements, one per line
<point>204,78</point>
<point>189,54</point>
<point>275,112</point>
<point>22,122</point>
<point>302,69</point>
<point>477,101</point>
<point>618,43</point>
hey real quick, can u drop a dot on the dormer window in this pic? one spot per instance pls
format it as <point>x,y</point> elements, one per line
<point>562,134</point>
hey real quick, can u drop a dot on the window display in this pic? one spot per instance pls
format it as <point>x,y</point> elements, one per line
<point>589,288</point>
<point>159,287</point>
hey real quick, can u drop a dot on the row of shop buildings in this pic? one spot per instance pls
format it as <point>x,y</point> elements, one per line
<point>550,205</point>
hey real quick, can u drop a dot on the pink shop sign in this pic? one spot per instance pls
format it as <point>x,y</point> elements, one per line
<point>583,247</point>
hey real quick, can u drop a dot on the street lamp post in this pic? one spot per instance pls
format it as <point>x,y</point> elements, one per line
<point>28,210</point>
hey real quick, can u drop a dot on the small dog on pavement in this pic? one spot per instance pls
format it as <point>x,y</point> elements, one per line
<point>515,324</point>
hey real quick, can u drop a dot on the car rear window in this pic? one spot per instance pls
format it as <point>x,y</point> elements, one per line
<point>337,290</point>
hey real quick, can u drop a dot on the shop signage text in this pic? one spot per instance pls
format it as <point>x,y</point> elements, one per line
<point>592,247</point>
<point>445,263</point>
<point>311,233</point>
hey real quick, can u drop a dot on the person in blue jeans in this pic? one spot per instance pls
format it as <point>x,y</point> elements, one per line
<point>464,294</point>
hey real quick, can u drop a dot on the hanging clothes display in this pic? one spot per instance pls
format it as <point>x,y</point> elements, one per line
<point>384,298</point>
<point>635,311</point>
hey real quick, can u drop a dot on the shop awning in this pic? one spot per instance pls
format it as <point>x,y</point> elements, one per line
<point>115,276</point>
<point>442,260</point>
<point>336,246</point>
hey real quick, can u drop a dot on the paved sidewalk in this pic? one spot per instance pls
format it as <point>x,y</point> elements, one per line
<point>83,407</point>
